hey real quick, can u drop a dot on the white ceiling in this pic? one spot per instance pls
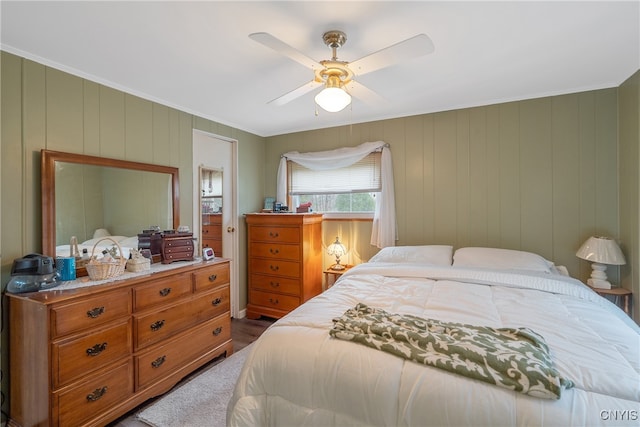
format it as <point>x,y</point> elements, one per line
<point>197,56</point>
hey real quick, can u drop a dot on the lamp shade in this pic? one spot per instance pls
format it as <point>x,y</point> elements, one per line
<point>603,250</point>
<point>337,249</point>
<point>333,97</point>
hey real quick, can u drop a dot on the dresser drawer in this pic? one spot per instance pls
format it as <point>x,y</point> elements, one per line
<point>94,394</point>
<point>275,251</point>
<point>166,359</point>
<point>274,300</point>
<point>275,234</point>
<point>275,267</point>
<point>153,327</point>
<point>90,312</point>
<point>275,284</point>
<point>74,358</point>
<point>161,291</point>
<point>211,277</point>
<point>178,242</point>
<point>211,231</point>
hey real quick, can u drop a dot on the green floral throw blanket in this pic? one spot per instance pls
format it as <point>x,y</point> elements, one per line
<point>516,359</point>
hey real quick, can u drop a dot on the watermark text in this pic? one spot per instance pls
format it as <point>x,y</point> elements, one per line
<point>619,415</point>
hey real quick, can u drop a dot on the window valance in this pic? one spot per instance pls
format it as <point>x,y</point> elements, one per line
<point>384,221</point>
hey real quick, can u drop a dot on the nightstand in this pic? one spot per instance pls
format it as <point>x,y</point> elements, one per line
<point>334,275</point>
<point>622,293</point>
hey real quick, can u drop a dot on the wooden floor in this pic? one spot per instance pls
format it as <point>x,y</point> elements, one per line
<point>243,332</point>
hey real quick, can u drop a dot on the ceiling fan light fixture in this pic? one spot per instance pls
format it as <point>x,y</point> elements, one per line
<point>333,97</point>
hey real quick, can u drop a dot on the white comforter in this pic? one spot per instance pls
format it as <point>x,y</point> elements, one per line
<point>297,375</point>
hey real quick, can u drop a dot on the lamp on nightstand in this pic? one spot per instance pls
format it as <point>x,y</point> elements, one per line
<point>337,249</point>
<point>601,251</point>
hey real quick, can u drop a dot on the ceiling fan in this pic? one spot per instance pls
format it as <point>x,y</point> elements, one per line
<point>337,76</point>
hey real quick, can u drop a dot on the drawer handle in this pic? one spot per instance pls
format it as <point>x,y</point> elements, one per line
<point>274,251</point>
<point>274,301</point>
<point>164,292</point>
<point>274,267</point>
<point>157,325</point>
<point>272,234</point>
<point>158,362</point>
<point>97,394</point>
<point>216,302</point>
<point>96,349</point>
<point>95,312</point>
<point>275,284</point>
<point>213,277</point>
<point>217,331</point>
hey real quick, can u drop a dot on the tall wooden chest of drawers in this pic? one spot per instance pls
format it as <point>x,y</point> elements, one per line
<point>285,262</point>
<point>85,356</point>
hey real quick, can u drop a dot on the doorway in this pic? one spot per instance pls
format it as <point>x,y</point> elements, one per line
<point>215,201</point>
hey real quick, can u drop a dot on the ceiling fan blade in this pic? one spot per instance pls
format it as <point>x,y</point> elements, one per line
<point>363,93</point>
<point>281,47</point>
<point>411,48</point>
<point>296,93</point>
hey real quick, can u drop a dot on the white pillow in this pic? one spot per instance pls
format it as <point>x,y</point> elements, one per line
<point>501,259</point>
<point>129,242</point>
<point>428,254</point>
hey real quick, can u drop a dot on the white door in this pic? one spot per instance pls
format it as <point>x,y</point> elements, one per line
<point>212,152</point>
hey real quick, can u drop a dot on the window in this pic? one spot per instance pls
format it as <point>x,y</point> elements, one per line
<point>349,189</point>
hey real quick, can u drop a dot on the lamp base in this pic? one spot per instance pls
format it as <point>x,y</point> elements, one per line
<point>599,284</point>
<point>337,267</point>
<point>599,276</point>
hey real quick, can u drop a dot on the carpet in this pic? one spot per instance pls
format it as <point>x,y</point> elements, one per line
<point>202,401</point>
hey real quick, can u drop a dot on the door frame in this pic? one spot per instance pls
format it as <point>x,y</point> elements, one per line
<point>228,223</point>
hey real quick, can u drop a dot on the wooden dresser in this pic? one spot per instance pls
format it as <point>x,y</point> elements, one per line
<point>86,356</point>
<point>285,262</point>
<point>212,232</point>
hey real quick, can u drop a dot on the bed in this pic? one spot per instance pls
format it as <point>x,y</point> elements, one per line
<point>298,374</point>
<point>103,241</point>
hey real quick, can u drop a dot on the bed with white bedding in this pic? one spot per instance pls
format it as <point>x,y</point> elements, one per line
<point>98,244</point>
<point>299,375</point>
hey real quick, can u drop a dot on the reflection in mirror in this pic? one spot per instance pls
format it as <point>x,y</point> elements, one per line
<point>89,197</point>
<point>211,190</point>
<point>211,209</point>
<point>121,201</point>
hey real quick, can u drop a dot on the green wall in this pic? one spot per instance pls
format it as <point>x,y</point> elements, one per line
<point>45,108</point>
<point>629,125</point>
<point>537,175</point>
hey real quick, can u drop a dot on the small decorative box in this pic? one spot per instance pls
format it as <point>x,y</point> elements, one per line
<point>177,247</point>
<point>137,262</point>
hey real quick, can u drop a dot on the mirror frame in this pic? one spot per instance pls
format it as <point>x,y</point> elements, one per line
<point>48,187</point>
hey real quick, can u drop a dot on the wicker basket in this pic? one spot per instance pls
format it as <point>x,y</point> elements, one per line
<point>99,270</point>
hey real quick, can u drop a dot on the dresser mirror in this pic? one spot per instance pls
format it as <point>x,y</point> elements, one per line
<point>87,197</point>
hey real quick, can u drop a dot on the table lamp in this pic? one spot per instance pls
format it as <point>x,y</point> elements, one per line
<point>337,249</point>
<point>601,251</point>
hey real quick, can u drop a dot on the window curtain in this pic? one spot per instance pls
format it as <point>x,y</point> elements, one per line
<point>384,219</point>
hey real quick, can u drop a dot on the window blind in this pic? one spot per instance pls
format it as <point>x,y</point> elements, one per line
<point>360,177</point>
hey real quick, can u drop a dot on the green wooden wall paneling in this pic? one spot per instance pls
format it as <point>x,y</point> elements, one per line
<point>529,175</point>
<point>629,155</point>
